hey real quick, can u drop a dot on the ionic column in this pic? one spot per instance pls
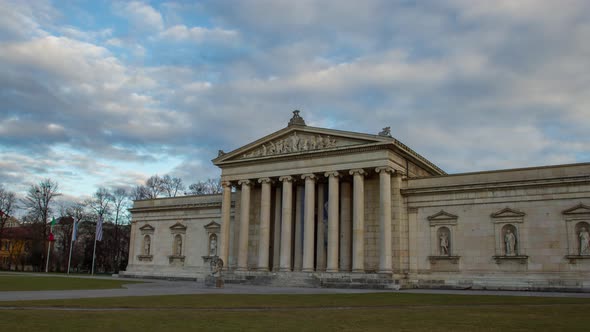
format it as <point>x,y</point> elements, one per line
<point>345,226</point>
<point>358,220</point>
<point>384,219</point>
<point>332,221</point>
<point>298,245</point>
<point>286,223</point>
<point>308,228</point>
<point>244,225</point>
<point>225,220</point>
<point>276,258</point>
<point>264,242</point>
<point>320,245</point>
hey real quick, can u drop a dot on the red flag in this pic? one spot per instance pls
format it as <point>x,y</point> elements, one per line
<point>51,237</point>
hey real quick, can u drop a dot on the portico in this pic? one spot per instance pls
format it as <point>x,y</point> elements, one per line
<point>332,205</point>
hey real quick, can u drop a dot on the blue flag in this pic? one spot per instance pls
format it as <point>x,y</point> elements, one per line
<point>75,230</point>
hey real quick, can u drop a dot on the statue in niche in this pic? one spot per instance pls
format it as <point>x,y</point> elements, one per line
<point>146,245</point>
<point>584,241</point>
<point>213,245</point>
<point>510,243</point>
<point>178,245</point>
<point>444,244</point>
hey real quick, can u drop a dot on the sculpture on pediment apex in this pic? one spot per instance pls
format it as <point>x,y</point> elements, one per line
<point>220,153</point>
<point>385,132</point>
<point>296,119</point>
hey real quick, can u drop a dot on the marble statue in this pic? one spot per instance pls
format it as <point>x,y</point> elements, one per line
<point>584,241</point>
<point>385,132</point>
<point>213,246</point>
<point>510,243</point>
<point>146,245</point>
<point>444,244</point>
<point>178,245</point>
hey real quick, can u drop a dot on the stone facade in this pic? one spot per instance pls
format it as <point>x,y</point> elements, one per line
<point>319,207</point>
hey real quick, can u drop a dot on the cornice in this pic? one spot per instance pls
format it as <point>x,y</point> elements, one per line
<point>517,184</point>
<point>176,207</point>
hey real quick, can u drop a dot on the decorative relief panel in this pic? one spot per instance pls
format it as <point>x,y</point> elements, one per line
<point>296,142</point>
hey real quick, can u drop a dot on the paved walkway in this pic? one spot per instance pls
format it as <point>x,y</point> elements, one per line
<point>164,287</point>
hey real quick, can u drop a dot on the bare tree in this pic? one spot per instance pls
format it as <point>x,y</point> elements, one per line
<point>119,198</point>
<point>138,192</point>
<point>210,186</point>
<point>100,202</point>
<point>38,203</point>
<point>171,186</point>
<point>154,186</point>
<point>7,206</point>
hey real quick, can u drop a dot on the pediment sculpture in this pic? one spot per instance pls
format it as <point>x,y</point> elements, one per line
<point>293,143</point>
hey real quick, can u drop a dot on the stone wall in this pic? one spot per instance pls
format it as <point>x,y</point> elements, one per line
<point>479,208</point>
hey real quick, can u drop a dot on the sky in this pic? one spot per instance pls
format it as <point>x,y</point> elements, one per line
<point>107,93</point>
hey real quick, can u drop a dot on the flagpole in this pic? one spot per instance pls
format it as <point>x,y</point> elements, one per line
<point>47,263</point>
<point>71,244</point>
<point>93,254</point>
<point>48,249</point>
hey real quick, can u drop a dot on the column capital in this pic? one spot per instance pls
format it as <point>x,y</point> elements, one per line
<point>309,175</point>
<point>386,169</point>
<point>286,178</point>
<point>245,182</point>
<point>358,171</point>
<point>265,180</point>
<point>332,173</point>
<point>225,184</point>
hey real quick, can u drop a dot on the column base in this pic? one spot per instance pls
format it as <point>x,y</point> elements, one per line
<point>358,270</point>
<point>332,270</point>
<point>385,271</point>
<point>262,269</point>
<point>307,270</point>
<point>284,269</point>
<point>242,269</point>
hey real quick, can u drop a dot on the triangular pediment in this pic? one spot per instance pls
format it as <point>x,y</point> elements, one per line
<point>147,227</point>
<point>212,224</point>
<point>300,140</point>
<point>578,209</point>
<point>178,226</point>
<point>442,215</point>
<point>507,213</point>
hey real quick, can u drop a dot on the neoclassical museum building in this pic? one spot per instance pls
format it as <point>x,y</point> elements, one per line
<point>316,207</point>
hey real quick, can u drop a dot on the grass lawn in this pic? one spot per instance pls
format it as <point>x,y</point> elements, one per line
<point>326,312</point>
<point>10,282</point>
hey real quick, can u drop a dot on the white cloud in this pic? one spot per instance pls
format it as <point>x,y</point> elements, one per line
<point>141,15</point>
<point>197,34</point>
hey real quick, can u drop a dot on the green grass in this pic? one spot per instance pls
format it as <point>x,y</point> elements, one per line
<point>38,283</point>
<point>326,312</point>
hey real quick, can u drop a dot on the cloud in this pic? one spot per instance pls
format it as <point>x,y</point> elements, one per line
<point>471,86</point>
<point>141,15</point>
<point>197,34</point>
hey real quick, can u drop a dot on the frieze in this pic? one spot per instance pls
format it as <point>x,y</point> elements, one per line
<point>293,143</point>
